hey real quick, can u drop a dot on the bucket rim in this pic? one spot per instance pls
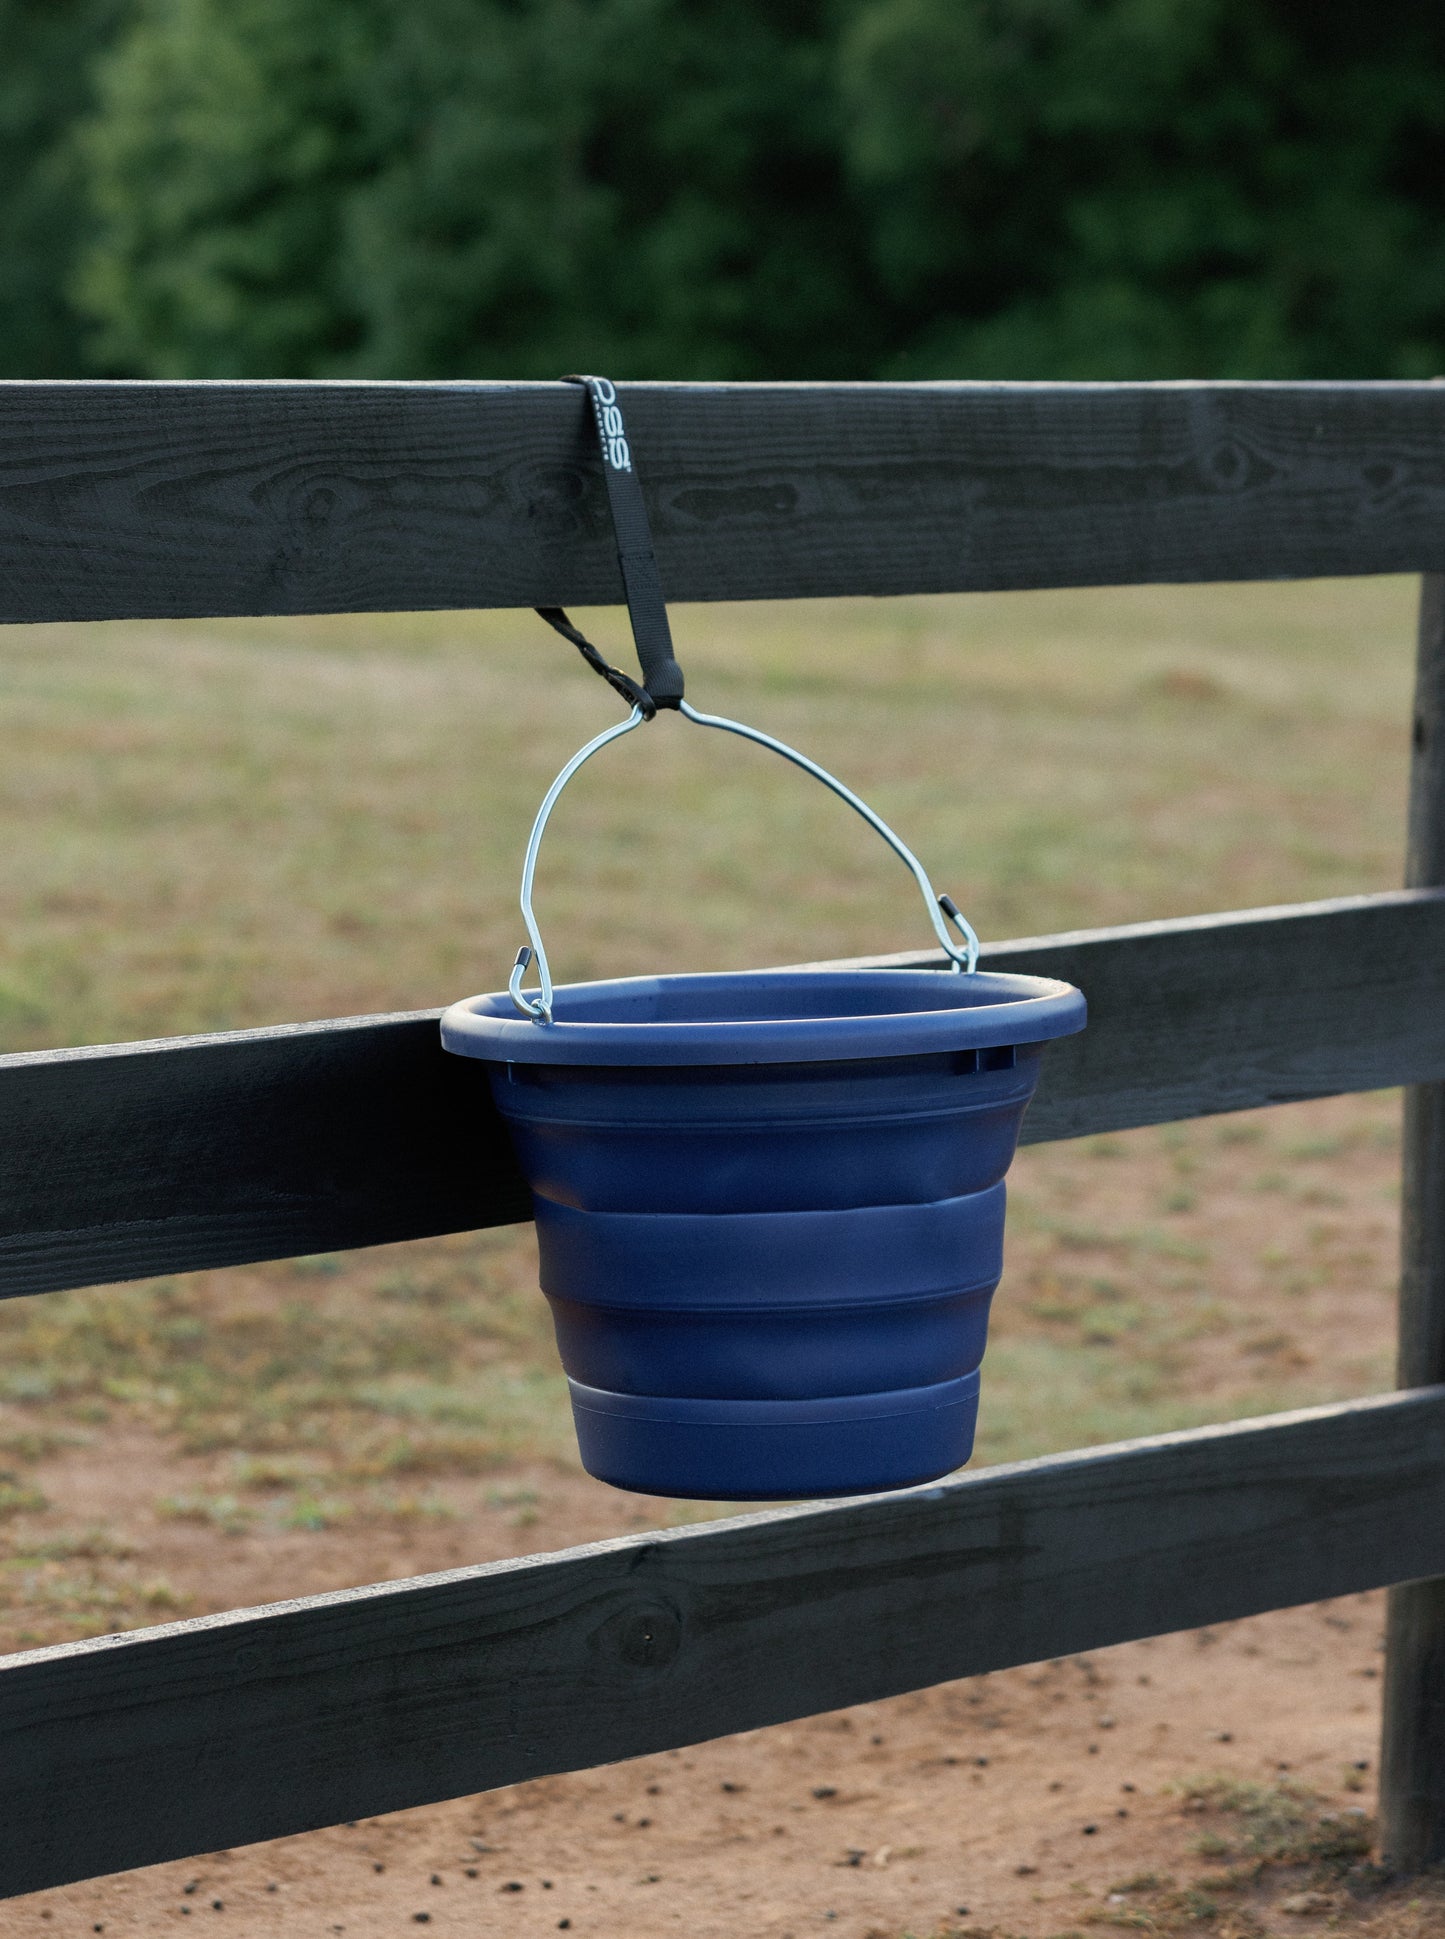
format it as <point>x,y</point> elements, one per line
<point>996,1009</point>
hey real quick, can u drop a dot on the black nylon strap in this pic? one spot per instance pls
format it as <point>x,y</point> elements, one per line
<point>622,683</point>
<point>661,675</point>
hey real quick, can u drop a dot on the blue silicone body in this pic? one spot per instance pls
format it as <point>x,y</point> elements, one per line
<point>770,1213</point>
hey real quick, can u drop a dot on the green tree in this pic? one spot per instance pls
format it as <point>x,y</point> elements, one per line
<point>769,188</point>
<point>646,186</point>
<point>227,137</point>
<point>1144,188</point>
<point>45,84</point>
<point>471,186</point>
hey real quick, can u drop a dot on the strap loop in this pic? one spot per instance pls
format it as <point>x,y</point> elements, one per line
<point>621,683</point>
<point>661,675</point>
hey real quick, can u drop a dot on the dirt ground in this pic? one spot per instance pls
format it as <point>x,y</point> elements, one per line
<point>1207,1784</point>
<point>1218,1782</point>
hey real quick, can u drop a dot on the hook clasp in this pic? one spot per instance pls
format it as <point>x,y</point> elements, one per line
<point>539,1008</point>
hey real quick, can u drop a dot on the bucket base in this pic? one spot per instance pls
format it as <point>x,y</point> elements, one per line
<point>775,1450</point>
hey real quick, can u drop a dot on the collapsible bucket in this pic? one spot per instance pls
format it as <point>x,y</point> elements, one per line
<point>770,1209</point>
<point>770,1206</point>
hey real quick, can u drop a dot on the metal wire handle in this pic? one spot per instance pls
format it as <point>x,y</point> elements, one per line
<point>963,957</point>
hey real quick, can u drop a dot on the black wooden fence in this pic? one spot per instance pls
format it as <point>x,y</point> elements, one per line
<point>122,500</point>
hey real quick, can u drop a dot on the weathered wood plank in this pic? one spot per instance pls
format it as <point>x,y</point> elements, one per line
<point>210,498</point>
<point>163,1743</point>
<point>165,1157</point>
<point>1232,1011</point>
<point>1412,1752</point>
<point>210,1151</point>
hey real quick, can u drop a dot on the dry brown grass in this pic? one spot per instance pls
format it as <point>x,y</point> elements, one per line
<point>225,823</point>
<point>214,824</point>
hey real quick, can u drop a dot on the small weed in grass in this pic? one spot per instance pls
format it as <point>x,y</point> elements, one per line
<point>511,1497</point>
<point>64,1603</point>
<point>223,1512</point>
<point>268,1474</point>
<point>38,1444</point>
<point>1279,1823</point>
<point>1303,1150</point>
<point>316,1512</point>
<point>90,1544</point>
<point>36,1383</point>
<point>18,1497</point>
<point>436,1452</point>
<point>160,1597</point>
<point>1224,1882</point>
<point>1275,1836</point>
<point>1143,1882</point>
<point>410,1508</point>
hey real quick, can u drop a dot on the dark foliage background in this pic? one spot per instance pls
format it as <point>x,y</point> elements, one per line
<point>722,188</point>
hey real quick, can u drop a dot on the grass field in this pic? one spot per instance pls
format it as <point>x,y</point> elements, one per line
<point>224,823</point>
<point>217,824</point>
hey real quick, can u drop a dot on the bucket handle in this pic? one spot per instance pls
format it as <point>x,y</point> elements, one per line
<point>963,956</point>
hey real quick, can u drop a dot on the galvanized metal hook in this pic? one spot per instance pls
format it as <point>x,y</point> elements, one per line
<point>539,1008</point>
<point>963,955</point>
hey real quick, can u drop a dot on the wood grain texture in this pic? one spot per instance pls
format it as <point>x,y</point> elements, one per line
<point>220,1731</point>
<point>210,1151</point>
<point>175,499</point>
<point>1412,1751</point>
<point>1232,1011</point>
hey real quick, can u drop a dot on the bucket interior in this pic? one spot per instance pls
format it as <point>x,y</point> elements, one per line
<point>776,996</point>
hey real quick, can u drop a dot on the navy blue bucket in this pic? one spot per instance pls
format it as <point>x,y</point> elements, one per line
<point>769,1205</point>
<point>770,1209</point>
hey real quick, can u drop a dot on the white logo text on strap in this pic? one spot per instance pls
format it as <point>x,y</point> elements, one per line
<point>609,425</point>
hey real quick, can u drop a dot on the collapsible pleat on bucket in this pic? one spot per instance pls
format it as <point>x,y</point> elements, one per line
<point>770,1275</point>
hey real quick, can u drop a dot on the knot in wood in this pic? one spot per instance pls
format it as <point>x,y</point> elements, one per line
<point>647,1636</point>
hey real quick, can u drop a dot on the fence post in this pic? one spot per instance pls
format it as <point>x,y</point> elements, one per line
<point>1412,1758</point>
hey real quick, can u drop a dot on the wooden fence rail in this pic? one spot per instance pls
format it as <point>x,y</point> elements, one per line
<point>261,1144</point>
<point>123,1160</point>
<point>124,500</point>
<point>264,1721</point>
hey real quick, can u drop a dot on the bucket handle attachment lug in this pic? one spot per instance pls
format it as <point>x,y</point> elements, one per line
<point>942,910</point>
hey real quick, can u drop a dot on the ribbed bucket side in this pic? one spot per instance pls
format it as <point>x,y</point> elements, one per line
<point>770,1268</point>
